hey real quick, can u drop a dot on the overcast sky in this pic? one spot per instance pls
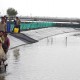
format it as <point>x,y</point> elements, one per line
<point>49,8</point>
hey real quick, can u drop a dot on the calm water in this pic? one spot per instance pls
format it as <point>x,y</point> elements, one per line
<point>53,58</point>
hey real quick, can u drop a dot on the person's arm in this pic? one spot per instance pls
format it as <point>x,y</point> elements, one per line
<point>8,42</point>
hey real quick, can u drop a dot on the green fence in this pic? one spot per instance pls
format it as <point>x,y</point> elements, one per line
<point>33,25</point>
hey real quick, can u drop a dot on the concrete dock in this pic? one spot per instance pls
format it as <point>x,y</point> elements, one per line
<point>24,37</point>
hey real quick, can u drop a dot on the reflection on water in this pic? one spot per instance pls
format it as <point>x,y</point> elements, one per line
<point>53,58</point>
<point>50,40</point>
<point>66,41</point>
<point>55,41</point>
<point>16,54</point>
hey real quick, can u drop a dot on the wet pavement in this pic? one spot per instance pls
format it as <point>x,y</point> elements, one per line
<point>53,58</point>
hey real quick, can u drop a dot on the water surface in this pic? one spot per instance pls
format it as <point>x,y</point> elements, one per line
<point>53,58</point>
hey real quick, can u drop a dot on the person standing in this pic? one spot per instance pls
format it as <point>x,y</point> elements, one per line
<point>6,43</point>
<point>18,23</point>
<point>2,25</point>
<point>8,24</point>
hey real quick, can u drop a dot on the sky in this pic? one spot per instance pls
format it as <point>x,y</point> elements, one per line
<point>43,8</point>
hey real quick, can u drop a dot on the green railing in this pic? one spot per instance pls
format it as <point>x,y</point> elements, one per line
<point>33,25</point>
